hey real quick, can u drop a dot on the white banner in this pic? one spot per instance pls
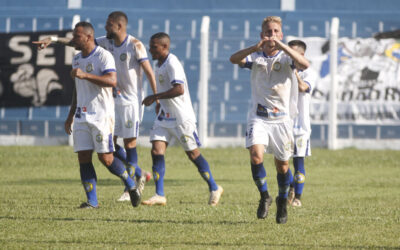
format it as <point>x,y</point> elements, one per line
<point>369,80</point>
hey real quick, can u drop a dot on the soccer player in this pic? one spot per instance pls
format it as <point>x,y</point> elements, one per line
<point>176,118</point>
<point>131,60</point>
<point>274,100</point>
<point>92,113</point>
<point>302,128</point>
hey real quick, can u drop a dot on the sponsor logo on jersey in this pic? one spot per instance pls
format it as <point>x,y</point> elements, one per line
<point>89,68</point>
<point>99,138</point>
<point>129,124</point>
<point>276,66</point>
<point>123,57</point>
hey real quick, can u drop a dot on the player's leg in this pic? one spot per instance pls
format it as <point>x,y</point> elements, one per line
<point>88,178</point>
<point>157,153</point>
<point>256,139</point>
<point>83,145</point>
<point>281,137</point>
<point>260,179</point>
<point>299,178</point>
<point>119,152</point>
<point>205,172</point>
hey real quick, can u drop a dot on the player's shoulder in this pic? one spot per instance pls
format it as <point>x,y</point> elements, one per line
<point>135,42</point>
<point>102,41</point>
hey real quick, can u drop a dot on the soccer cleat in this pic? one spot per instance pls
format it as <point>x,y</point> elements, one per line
<point>263,207</point>
<point>281,210</point>
<point>296,203</point>
<point>140,181</point>
<point>215,196</point>
<point>156,200</point>
<point>124,197</point>
<point>87,205</point>
<point>135,196</point>
<point>291,195</point>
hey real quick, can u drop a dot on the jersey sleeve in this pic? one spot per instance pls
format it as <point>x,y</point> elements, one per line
<point>140,49</point>
<point>107,62</point>
<point>175,72</point>
<point>310,77</point>
<point>101,41</point>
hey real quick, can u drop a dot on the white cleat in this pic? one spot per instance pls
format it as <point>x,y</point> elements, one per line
<point>215,196</point>
<point>156,200</point>
<point>124,197</point>
<point>140,183</point>
<point>296,203</point>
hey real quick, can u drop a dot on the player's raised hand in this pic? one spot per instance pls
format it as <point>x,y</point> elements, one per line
<point>78,73</point>
<point>42,44</point>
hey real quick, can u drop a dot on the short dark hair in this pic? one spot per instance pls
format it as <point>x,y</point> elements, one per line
<point>118,15</point>
<point>86,25</point>
<point>160,35</point>
<point>298,43</point>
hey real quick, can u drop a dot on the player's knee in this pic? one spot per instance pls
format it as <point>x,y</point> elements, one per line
<point>106,159</point>
<point>193,154</point>
<point>299,178</point>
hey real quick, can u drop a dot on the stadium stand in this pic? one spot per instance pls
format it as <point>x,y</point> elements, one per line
<point>233,26</point>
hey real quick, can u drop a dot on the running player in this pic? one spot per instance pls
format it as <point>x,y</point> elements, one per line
<point>131,60</point>
<point>92,113</point>
<point>176,119</point>
<point>274,100</point>
<point>302,127</point>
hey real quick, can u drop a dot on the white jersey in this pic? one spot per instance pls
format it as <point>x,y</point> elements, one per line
<point>273,86</point>
<point>177,110</point>
<point>94,103</point>
<point>128,57</point>
<point>302,121</point>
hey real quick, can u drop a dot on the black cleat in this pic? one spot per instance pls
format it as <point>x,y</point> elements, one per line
<point>263,206</point>
<point>87,205</point>
<point>135,197</point>
<point>281,210</point>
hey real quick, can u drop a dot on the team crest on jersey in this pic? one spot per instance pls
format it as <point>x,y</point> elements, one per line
<point>99,138</point>
<point>123,57</point>
<point>129,124</point>
<point>89,67</point>
<point>161,79</point>
<point>276,66</point>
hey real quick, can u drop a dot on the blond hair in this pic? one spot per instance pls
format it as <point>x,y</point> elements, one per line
<point>272,19</point>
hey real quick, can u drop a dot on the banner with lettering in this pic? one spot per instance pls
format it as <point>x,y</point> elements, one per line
<point>369,80</point>
<point>29,77</point>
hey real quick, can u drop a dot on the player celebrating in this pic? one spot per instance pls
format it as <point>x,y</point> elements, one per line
<point>302,127</point>
<point>274,100</point>
<point>92,113</point>
<point>176,118</point>
<point>131,60</point>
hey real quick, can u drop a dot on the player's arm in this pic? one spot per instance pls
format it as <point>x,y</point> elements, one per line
<point>299,61</point>
<point>44,43</point>
<point>240,56</point>
<point>152,80</point>
<point>70,117</point>
<point>176,90</point>
<point>303,86</point>
<point>108,79</point>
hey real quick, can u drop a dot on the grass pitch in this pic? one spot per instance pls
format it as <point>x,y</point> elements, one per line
<point>351,200</point>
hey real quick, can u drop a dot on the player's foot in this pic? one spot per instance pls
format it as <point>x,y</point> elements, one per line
<point>135,196</point>
<point>296,203</point>
<point>281,210</point>
<point>124,197</point>
<point>156,200</point>
<point>263,207</point>
<point>291,195</point>
<point>87,205</point>
<point>140,181</point>
<point>215,196</point>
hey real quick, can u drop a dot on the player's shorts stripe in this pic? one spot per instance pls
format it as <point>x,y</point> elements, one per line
<point>197,139</point>
<point>110,143</point>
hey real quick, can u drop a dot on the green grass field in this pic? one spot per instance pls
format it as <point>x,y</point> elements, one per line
<point>351,200</point>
